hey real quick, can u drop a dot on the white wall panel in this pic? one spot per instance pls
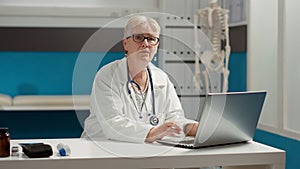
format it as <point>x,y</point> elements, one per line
<point>262,56</point>
<point>81,3</point>
<point>70,13</point>
<point>273,58</point>
<point>291,66</point>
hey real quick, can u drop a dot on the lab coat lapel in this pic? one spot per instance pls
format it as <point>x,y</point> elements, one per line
<point>159,84</point>
<point>158,81</point>
<point>122,72</point>
<point>123,79</point>
<point>148,100</point>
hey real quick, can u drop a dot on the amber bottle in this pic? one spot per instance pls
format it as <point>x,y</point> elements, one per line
<point>4,142</point>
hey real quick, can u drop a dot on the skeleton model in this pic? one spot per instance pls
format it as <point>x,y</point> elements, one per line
<point>214,24</point>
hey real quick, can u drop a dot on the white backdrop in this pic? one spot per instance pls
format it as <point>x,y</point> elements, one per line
<point>273,45</point>
<point>291,60</point>
<point>69,13</point>
<point>81,3</point>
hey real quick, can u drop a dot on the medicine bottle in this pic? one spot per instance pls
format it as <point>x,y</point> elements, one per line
<point>4,142</point>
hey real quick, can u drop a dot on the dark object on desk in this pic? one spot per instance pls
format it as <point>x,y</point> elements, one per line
<point>4,142</point>
<point>37,150</point>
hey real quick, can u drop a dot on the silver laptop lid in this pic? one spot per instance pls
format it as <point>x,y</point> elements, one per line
<point>229,117</point>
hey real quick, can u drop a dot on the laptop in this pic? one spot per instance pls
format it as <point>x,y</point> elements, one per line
<point>226,118</point>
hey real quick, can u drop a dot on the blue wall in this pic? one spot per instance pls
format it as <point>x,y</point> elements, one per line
<point>238,72</point>
<point>47,72</point>
<point>43,124</point>
<point>292,147</point>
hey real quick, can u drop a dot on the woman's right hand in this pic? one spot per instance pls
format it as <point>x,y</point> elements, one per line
<point>167,129</point>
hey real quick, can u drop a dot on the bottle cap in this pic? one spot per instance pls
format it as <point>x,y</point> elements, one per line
<point>3,130</point>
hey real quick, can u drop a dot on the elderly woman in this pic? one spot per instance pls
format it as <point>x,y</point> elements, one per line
<point>132,100</point>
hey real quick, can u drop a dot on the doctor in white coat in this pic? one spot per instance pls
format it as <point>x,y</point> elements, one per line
<point>132,100</point>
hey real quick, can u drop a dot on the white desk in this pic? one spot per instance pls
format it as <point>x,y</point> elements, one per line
<point>87,154</point>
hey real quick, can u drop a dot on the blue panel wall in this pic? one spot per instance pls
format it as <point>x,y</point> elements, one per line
<point>43,124</point>
<point>292,147</point>
<point>36,72</point>
<point>47,73</point>
<point>238,72</point>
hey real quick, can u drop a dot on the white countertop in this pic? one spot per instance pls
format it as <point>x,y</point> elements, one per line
<point>111,154</point>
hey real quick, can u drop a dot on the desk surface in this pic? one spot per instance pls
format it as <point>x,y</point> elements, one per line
<point>109,154</point>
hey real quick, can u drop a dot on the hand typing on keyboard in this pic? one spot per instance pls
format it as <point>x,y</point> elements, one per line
<point>167,129</point>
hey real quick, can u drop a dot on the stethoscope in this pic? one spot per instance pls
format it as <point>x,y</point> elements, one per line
<point>153,119</point>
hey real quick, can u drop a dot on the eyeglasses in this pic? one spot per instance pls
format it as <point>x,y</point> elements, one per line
<point>140,38</point>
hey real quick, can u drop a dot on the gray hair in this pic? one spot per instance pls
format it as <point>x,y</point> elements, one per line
<point>138,20</point>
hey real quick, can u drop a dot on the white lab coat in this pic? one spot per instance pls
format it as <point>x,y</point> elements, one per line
<point>112,112</point>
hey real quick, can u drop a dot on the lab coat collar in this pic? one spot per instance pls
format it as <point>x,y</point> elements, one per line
<point>122,71</point>
<point>158,77</point>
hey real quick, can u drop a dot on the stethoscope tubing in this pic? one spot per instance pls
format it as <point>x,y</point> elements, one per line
<point>139,88</point>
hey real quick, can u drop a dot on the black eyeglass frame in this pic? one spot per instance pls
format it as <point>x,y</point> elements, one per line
<point>145,37</point>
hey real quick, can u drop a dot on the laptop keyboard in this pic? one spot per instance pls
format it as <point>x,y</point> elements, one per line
<point>187,141</point>
<point>180,140</point>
